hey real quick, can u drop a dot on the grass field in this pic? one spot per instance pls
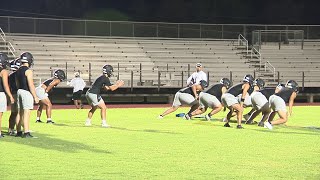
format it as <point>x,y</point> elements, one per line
<point>140,146</point>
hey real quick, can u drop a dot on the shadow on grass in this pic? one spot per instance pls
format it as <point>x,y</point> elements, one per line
<point>308,131</point>
<point>145,130</point>
<point>44,141</point>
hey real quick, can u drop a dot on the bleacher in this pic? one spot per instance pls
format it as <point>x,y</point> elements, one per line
<point>168,56</point>
<point>293,61</point>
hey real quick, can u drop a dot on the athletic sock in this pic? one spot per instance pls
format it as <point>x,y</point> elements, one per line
<point>38,118</point>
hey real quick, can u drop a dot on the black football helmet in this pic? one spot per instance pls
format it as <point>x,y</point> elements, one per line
<point>59,74</point>
<point>26,57</point>
<point>107,69</point>
<point>248,78</point>
<point>203,84</point>
<point>259,82</point>
<point>226,82</point>
<point>15,64</point>
<point>293,85</point>
<point>4,60</point>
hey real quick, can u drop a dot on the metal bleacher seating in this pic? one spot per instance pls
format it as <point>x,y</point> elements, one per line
<point>168,56</point>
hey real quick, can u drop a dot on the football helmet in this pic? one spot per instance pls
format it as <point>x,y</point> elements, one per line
<point>259,82</point>
<point>203,84</point>
<point>15,64</point>
<point>107,69</point>
<point>26,57</point>
<point>59,74</point>
<point>4,60</point>
<point>248,78</point>
<point>293,85</point>
<point>226,82</point>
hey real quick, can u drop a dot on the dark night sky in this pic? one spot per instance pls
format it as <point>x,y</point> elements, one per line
<point>193,11</point>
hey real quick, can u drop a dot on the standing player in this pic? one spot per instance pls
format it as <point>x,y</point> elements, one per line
<point>229,99</point>
<point>26,94</point>
<point>14,66</point>
<point>197,76</point>
<point>211,97</point>
<point>4,87</point>
<point>278,103</point>
<point>78,84</point>
<point>260,104</point>
<point>42,93</point>
<point>93,94</point>
<point>186,96</point>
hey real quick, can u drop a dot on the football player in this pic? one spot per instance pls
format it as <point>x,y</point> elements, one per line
<point>42,93</point>
<point>260,104</point>
<point>4,87</point>
<point>211,97</point>
<point>14,66</point>
<point>229,99</point>
<point>93,94</point>
<point>278,102</point>
<point>186,96</point>
<point>26,94</point>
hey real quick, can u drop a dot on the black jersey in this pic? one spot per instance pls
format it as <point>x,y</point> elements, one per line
<point>215,90</point>
<point>187,90</point>
<point>285,93</point>
<point>1,83</point>
<point>99,83</point>
<point>21,78</point>
<point>12,83</point>
<point>47,82</point>
<point>266,92</point>
<point>236,89</point>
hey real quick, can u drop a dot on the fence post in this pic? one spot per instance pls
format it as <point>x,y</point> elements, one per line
<point>85,27</point>
<point>61,27</point>
<point>208,78</point>
<point>140,73</point>
<point>132,29</point>
<point>231,76</point>
<point>66,70</point>
<point>159,73</point>
<point>34,26</point>
<point>280,41</point>
<point>188,70</point>
<point>118,72</point>
<point>89,73</point>
<point>278,77</point>
<point>131,81</point>
<point>303,81</point>
<point>182,79</point>
<point>9,27</point>
<point>254,74</point>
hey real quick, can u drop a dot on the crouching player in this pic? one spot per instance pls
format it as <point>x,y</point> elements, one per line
<point>42,93</point>
<point>278,103</point>
<point>230,100</point>
<point>260,104</point>
<point>93,94</point>
<point>211,97</point>
<point>186,96</point>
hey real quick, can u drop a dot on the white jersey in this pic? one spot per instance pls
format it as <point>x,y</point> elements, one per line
<point>77,83</point>
<point>196,77</point>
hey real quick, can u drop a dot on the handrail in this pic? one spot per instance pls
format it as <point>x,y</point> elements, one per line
<point>3,35</point>
<point>11,49</point>
<point>256,53</point>
<point>242,39</point>
<point>272,68</point>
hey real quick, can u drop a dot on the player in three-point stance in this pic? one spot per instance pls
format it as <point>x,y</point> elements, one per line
<point>186,96</point>
<point>278,102</point>
<point>230,100</point>
<point>211,97</point>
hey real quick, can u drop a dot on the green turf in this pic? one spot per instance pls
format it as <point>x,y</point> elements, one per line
<point>140,146</point>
